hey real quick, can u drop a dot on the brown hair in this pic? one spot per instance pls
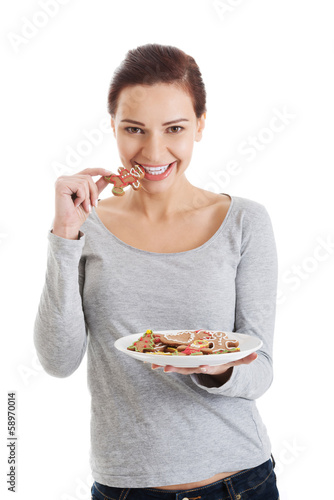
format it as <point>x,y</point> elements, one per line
<point>153,63</point>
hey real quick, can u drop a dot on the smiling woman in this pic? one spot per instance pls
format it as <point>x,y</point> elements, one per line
<point>169,256</point>
<point>162,142</point>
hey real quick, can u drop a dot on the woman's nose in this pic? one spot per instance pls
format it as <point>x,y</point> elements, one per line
<point>154,148</point>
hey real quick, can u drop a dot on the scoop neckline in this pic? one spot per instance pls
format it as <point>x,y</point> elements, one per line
<point>132,248</point>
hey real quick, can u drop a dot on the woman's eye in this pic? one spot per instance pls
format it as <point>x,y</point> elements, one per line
<point>175,129</point>
<point>134,130</point>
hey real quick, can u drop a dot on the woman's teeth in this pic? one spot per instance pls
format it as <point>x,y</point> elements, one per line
<point>156,170</point>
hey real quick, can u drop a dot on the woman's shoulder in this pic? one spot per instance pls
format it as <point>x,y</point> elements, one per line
<point>250,215</point>
<point>221,198</point>
<point>248,205</point>
<point>246,215</point>
<point>237,209</point>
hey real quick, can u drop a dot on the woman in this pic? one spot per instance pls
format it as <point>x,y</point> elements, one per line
<point>169,256</point>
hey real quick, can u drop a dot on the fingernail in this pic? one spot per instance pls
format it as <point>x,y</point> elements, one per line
<point>96,202</point>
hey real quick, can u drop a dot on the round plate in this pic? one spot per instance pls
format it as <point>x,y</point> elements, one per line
<point>247,345</point>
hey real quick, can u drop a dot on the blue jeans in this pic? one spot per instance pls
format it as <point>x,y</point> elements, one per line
<point>258,483</point>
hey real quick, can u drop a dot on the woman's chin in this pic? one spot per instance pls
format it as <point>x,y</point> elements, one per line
<point>159,186</point>
<point>153,187</point>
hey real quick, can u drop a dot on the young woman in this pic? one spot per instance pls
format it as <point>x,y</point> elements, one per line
<point>167,257</point>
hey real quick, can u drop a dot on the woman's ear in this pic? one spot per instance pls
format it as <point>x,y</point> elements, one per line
<point>200,127</point>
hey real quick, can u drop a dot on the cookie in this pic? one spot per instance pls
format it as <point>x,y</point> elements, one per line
<point>144,344</point>
<point>184,337</point>
<point>199,346</point>
<point>126,178</point>
<point>190,351</point>
<point>220,343</point>
<point>159,346</point>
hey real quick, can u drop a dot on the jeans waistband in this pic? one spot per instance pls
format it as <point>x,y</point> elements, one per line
<point>240,485</point>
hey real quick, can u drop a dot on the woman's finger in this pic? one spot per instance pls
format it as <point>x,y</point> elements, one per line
<point>244,361</point>
<point>210,370</point>
<point>96,187</point>
<point>88,191</point>
<point>81,194</point>
<point>101,184</point>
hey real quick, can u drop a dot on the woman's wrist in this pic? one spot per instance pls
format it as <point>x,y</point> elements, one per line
<point>222,378</point>
<point>66,233</point>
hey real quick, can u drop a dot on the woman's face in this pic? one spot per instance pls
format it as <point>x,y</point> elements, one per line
<point>156,126</point>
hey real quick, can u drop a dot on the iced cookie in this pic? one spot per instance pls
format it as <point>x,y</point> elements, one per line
<point>126,178</point>
<point>144,344</point>
<point>220,343</point>
<point>184,337</point>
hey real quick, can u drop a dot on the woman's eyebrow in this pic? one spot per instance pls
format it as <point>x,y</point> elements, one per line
<point>164,124</point>
<point>175,121</point>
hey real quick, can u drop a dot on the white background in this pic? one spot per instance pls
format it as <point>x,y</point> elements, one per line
<point>259,59</point>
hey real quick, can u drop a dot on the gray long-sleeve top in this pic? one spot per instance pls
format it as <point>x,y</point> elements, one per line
<point>149,428</point>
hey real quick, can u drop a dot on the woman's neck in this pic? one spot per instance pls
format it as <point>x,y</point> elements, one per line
<point>161,206</point>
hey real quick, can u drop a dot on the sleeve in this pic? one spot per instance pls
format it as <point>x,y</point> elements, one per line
<point>256,289</point>
<point>60,333</point>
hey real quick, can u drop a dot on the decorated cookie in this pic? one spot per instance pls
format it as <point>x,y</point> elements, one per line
<point>196,347</point>
<point>126,178</point>
<point>220,343</point>
<point>144,344</point>
<point>184,337</point>
<point>190,351</point>
<point>159,346</point>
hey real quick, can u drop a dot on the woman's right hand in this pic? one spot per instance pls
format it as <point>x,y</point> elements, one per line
<point>74,197</point>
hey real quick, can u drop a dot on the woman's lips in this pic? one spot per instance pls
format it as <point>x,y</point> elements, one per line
<point>158,172</point>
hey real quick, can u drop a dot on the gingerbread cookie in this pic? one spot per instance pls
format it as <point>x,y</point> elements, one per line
<point>159,346</point>
<point>126,178</point>
<point>220,343</point>
<point>199,346</point>
<point>144,344</point>
<point>184,337</point>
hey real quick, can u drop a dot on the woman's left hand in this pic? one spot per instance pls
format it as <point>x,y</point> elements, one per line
<point>210,370</point>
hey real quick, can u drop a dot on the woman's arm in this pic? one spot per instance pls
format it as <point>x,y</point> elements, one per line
<point>60,335</point>
<point>60,332</point>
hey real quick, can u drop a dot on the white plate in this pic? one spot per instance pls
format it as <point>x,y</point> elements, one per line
<point>247,345</point>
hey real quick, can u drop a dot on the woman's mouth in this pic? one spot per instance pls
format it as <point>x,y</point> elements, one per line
<point>157,172</point>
